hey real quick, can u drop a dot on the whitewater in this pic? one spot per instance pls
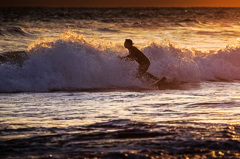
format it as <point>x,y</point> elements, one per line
<point>65,93</point>
<point>72,63</point>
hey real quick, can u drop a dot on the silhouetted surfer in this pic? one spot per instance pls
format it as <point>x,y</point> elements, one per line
<point>136,55</point>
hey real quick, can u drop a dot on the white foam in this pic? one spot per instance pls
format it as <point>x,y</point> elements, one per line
<point>187,65</point>
<point>67,64</point>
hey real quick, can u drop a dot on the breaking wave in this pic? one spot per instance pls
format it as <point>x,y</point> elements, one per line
<point>74,63</point>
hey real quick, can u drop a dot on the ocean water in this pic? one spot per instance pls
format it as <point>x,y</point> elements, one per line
<point>73,97</point>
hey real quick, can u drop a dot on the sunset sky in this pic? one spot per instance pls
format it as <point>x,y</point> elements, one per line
<point>120,3</point>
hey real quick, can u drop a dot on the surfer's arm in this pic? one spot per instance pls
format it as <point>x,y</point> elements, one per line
<point>130,56</point>
<point>127,58</point>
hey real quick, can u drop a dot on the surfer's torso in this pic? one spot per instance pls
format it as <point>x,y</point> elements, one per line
<point>138,56</point>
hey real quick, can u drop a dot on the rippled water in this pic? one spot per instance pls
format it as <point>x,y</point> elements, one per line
<point>202,121</point>
<point>199,28</point>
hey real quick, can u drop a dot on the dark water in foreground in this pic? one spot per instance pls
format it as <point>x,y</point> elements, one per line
<point>200,122</point>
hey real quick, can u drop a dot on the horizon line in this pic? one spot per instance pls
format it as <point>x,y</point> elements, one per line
<point>116,7</point>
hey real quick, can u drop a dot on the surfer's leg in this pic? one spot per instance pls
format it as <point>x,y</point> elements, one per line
<point>149,75</point>
<point>142,69</point>
<point>142,72</point>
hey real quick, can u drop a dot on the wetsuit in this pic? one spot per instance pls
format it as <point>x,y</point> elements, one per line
<point>142,60</point>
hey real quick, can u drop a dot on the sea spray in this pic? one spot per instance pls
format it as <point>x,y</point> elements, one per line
<point>175,63</point>
<point>67,64</point>
<point>182,64</point>
<point>72,62</point>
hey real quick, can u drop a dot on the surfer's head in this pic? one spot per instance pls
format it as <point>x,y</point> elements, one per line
<point>128,43</point>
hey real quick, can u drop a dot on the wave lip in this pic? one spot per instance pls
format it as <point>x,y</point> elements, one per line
<point>15,31</point>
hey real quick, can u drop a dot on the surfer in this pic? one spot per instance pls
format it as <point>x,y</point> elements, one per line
<point>136,55</point>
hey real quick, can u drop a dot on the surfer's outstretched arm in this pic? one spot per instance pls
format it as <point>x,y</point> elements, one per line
<point>126,58</point>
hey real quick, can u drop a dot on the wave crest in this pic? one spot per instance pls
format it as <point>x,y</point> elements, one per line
<point>72,62</point>
<point>188,65</point>
<point>68,63</point>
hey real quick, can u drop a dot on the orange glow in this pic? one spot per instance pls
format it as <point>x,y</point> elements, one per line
<point>120,3</point>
